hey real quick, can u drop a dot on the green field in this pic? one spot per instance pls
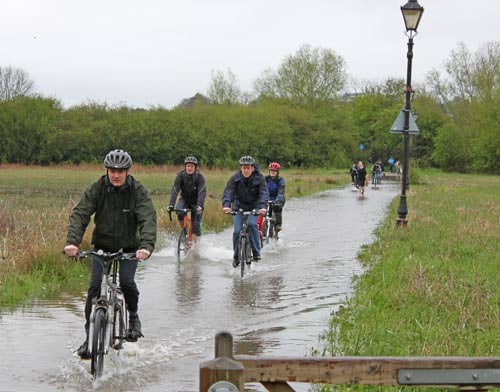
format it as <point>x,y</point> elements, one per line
<point>35,204</point>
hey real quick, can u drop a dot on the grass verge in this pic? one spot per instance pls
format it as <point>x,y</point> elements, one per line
<point>430,289</point>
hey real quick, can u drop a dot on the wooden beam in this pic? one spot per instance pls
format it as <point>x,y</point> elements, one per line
<point>350,370</point>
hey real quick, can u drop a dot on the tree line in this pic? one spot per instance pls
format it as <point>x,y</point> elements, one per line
<point>297,116</point>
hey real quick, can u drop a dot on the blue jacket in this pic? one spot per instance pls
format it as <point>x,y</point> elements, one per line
<point>246,193</point>
<point>276,187</point>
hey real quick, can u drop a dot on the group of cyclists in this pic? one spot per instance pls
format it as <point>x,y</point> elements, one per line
<point>125,218</point>
<point>358,174</point>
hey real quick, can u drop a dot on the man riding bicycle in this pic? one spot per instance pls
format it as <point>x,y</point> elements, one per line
<point>125,218</point>
<point>246,190</point>
<point>276,188</point>
<point>190,183</point>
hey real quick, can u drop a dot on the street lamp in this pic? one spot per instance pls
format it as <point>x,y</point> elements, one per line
<point>412,13</point>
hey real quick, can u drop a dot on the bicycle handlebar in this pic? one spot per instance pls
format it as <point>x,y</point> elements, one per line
<point>241,212</point>
<point>108,255</point>
<point>186,210</point>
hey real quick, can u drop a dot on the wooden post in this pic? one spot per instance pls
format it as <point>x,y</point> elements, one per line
<point>223,367</point>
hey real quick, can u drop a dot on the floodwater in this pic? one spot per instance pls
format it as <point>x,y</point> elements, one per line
<point>279,308</point>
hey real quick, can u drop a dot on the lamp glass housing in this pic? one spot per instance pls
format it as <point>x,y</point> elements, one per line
<point>412,13</point>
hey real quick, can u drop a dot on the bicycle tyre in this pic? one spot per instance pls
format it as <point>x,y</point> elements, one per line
<point>242,254</point>
<point>266,232</point>
<point>119,326</point>
<point>182,244</point>
<point>98,344</point>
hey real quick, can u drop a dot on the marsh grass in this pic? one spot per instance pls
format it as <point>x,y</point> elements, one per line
<point>430,289</point>
<point>35,204</point>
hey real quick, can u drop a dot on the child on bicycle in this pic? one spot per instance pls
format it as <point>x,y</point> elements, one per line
<point>125,218</point>
<point>190,184</point>
<point>276,188</point>
<point>246,190</point>
<point>376,172</point>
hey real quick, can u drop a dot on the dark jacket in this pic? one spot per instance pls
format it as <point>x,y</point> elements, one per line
<point>276,188</point>
<point>125,218</point>
<point>246,193</point>
<point>191,187</point>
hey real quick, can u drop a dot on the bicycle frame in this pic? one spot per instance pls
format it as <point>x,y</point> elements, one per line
<point>111,304</point>
<point>244,248</point>
<point>185,239</point>
<point>267,225</point>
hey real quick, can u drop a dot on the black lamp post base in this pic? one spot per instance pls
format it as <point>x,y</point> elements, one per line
<point>401,222</point>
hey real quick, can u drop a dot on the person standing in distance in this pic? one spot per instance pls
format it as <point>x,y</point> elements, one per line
<point>190,184</point>
<point>246,190</point>
<point>124,218</point>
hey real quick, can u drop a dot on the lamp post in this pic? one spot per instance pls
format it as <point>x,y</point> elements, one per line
<point>412,13</point>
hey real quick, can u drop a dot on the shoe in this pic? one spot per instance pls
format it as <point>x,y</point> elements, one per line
<point>277,228</point>
<point>134,330</point>
<point>236,262</point>
<point>256,258</point>
<point>83,351</point>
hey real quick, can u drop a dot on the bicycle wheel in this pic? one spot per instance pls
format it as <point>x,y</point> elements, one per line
<point>266,232</point>
<point>182,244</point>
<point>98,343</point>
<point>242,250</point>
<point>119,327</point>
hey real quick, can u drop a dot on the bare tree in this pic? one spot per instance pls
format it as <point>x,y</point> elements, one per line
<point>14,82</point>
<point>224,90</point>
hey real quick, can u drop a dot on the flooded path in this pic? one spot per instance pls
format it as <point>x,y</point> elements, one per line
<point>280,308</point>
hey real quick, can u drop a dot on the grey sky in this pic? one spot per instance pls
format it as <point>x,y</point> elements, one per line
<point>158,52</point>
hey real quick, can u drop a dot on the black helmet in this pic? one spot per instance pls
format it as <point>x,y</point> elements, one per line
<point>118,159</point>
<point>192,160</point>
<point>247,160</point>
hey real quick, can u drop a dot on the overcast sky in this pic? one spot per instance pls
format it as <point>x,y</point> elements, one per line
<point>145,53</point>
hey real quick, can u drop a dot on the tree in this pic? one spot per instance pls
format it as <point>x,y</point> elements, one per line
<point>224,89</point>
<point>15,82</point>
<point>310,76</point>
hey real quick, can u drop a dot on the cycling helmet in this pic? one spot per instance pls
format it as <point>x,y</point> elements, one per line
<point>192,160</point>
<point>118,159</point>
<point>274,166</point>
<point>247,160</point>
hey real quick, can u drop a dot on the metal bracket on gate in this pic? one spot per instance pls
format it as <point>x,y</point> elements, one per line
<point>448,376</point>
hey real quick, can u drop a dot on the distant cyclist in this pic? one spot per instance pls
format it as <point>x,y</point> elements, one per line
<point>361,177</point>
<point>190,184</point>
<point>377,172</point>
<point>276,188</point>
<point>353,171</point>
<point>246,190</point>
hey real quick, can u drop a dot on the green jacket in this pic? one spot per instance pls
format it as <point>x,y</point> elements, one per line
<point>125,218</point>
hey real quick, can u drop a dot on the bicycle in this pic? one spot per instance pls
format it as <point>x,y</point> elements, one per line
<point>108,320</point>
<point>244,248</point>
<point>185,239</point>
<point>267,226</point>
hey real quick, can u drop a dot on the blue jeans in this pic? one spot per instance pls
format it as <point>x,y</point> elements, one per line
<point>253,231</point>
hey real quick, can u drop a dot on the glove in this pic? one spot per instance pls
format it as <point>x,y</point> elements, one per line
<point>170,208</point>
<point>199,210</point>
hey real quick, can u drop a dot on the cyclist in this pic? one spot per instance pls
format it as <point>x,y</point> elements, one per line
<point>247,189</point>
<point>276,188</point>
<point>190,183</point>
<point>361,177</point>
<point>353,171</point>
<point>125,218</point>
<point>376,172</point>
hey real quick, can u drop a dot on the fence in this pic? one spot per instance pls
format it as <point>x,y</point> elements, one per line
<point>226,373</point>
